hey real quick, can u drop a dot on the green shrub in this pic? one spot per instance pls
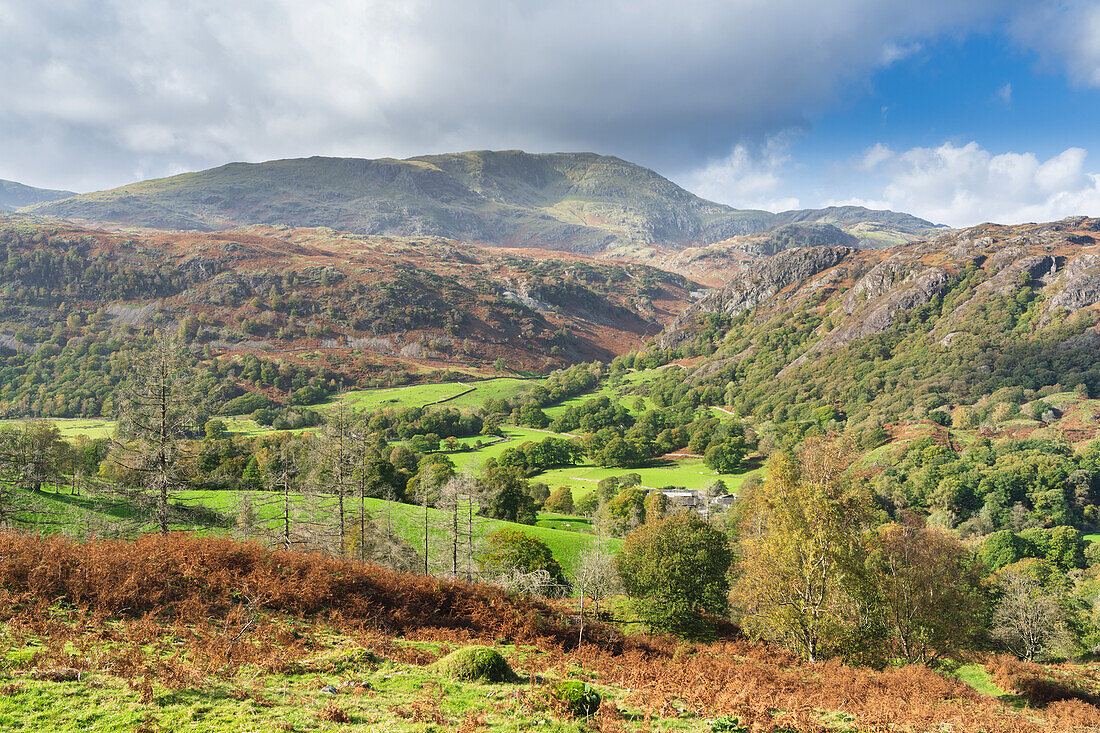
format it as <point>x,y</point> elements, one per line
<point>579,696</point>
<point>727,724</point>
<point>475,663</point>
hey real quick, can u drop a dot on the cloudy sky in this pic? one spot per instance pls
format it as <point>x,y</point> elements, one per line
<point>958,111</point>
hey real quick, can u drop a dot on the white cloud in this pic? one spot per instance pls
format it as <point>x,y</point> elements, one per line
<point>94,91</point>
<point>748,178</point>
<point>966,185</point>
<point>1064,31</point>
<point>1005,94</point>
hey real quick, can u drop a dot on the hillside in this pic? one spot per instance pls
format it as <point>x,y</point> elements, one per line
<point>16,195</point>
<point>894,333</point>
<point>365,310</point>
<point>572,201</point>
<point>579,202</point>
<point>715,264</point>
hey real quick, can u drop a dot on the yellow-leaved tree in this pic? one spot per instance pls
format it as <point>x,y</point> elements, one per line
<point>800,551</point>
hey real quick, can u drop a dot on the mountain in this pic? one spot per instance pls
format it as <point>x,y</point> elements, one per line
<point>571,201</point>
<point>15,195</point>
<point>579,202</point>
<point>892,334</point>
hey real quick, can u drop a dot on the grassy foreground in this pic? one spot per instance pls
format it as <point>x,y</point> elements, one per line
<point>182,633</point>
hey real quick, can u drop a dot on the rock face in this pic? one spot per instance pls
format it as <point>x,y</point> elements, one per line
<point>758,284</point>
<point>1079,284</point>
<point>1047,269</point>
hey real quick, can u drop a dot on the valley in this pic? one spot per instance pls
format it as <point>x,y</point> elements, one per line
<point>367,414</point>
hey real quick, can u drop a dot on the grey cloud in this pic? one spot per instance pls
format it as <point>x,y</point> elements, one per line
<point>101,93</point>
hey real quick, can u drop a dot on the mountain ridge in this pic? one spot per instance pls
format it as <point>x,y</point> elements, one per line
<point>581,202</point>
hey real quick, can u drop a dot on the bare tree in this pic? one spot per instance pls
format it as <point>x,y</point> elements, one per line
<point>595,578</point>
<point>282,475</point>
<point>335,454</point>
<point>457,505</point>
<point>160,406</point>
<point>1028,620</point>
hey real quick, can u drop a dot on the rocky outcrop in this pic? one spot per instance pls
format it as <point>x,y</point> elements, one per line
<point>916,290</point>
<point>757,284</point>
<point>1079,284</point>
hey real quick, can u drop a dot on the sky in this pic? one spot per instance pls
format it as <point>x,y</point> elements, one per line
<point>958,112</point>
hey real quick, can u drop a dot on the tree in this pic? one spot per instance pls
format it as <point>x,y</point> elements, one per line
<point>726,456</point>
<point>160,406</point>
<point>928,590</point>
<point>506,495</point>
<point>560,501</point>
<point>510,549</point>
<point>1028,620</point>
<point>335,456</point>
<point>799,544</point>
<point>626,511</point>
<point>595,578</point>
<point>282,474</point>
<point>457,502</point>
<point>30,456</point>
<point>215,429</point>
<point>675,569</point>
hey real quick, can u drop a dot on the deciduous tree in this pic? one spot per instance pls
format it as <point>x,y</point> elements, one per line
<point>799,544</point>
<point>675,569</point>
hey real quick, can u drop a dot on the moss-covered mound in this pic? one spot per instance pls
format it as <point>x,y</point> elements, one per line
<point>579,696</point>
<point>475,663</point>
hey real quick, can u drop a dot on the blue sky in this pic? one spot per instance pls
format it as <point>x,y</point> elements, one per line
<point>959,112</point>
<point>979,87</point>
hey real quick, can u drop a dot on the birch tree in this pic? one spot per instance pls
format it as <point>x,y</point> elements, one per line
<point>800,543</point>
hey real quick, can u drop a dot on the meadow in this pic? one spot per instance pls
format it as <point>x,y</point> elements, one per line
<point>454,394</point>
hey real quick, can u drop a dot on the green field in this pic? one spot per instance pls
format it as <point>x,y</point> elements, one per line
<point>616,393</point>
<point>455,394</point>
<point>89,427</point>
<point>515,436</point>
<point>216,512</point>
<point>417,395</point>
<point>689,473</point>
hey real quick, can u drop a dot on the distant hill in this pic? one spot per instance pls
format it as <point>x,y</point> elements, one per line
<point>580,202</point>
<point>874,228</point>
<point>573,201</point>
<point>15,195</point>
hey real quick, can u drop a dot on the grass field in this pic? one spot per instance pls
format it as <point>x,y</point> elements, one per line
<point>215,513</point>
<point>89,427</point>
<point>616,393</point>
<point>407,520</point>
<point>689,473</point>
<point>515,436</point>
<point>456,394</point>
